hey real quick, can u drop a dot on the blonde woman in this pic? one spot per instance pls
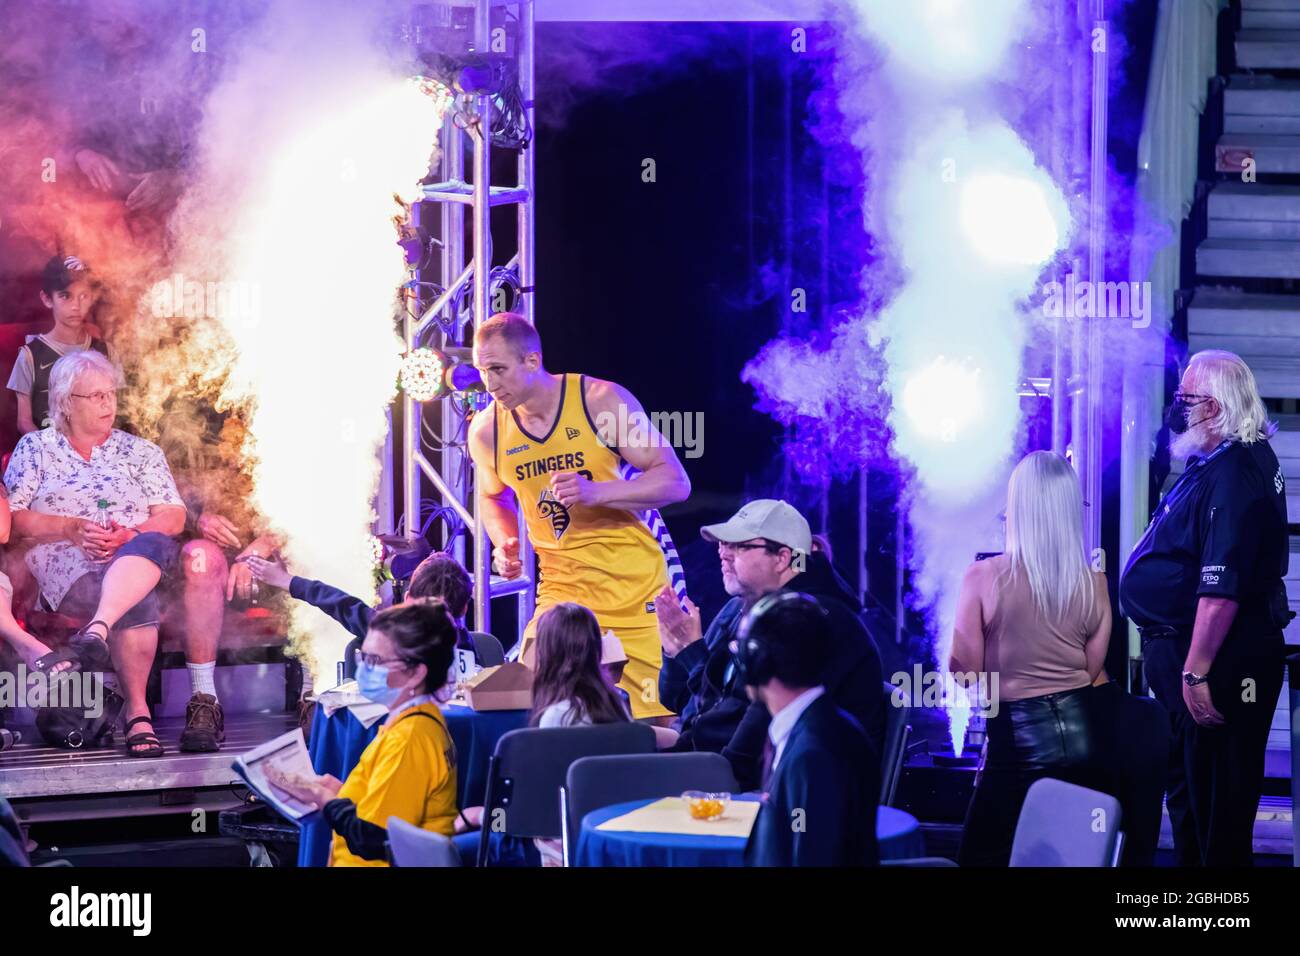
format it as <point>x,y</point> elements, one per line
<point>1039,618</point>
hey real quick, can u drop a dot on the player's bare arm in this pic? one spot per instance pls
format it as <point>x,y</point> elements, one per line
<point>499,518</point>
<point>662,481</point>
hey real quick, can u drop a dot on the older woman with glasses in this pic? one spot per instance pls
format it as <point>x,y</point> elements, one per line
<point>60,480</point>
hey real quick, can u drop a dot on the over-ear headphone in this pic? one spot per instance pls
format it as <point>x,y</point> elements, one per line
<point>761,652</point>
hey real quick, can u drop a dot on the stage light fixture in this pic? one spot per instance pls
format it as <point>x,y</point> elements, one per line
<point>444,97</point>
<point>449,80</point>
<point>479,76</point>
<point>422,374</point>
<point>430,374</point>
<point>463,378</point>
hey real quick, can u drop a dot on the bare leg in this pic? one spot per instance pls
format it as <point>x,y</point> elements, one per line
<point>28,647</point>
<point>133,653</point>
<point>128,581</point>
<point>204,604</point>
<point>204,599</point>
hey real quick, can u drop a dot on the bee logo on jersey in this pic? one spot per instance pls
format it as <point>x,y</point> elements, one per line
<point>550,508</point>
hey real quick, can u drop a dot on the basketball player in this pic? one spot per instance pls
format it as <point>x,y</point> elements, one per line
<point>553,441</point>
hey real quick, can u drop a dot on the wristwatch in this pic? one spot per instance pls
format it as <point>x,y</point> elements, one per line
<point>1193,680</point>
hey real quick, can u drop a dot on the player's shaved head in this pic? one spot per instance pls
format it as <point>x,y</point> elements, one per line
<point>513,329</point>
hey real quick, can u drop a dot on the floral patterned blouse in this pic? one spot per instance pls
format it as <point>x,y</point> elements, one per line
<point>47,476</point>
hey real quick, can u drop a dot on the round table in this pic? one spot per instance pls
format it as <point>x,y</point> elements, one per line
<point>337,741</point>
<point>897,832</point>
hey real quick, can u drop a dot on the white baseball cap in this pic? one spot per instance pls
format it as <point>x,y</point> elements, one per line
<point>611,649</point>
<point>769,518</point>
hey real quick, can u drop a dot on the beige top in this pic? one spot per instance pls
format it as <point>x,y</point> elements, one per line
<point>1031,655</point>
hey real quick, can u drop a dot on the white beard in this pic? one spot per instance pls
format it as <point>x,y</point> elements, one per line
<point>1197,440</point>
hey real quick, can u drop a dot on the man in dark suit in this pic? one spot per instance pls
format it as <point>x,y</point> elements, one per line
<point>821,773</point>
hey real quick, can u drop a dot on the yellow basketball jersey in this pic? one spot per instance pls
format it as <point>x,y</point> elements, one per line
<point>603,558</point>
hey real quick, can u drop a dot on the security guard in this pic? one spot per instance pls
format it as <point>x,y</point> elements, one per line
<point>1204,586</point>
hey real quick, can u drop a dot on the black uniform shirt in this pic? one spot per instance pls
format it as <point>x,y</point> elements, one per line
<point>1221,531</point>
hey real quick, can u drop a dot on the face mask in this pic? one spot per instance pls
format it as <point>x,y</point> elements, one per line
<point>373,684</point>
<point>1180,412</point>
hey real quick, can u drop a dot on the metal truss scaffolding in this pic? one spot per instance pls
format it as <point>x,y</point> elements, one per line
<point>433,448</point>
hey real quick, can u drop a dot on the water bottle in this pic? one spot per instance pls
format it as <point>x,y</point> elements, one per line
<point>102,520</point>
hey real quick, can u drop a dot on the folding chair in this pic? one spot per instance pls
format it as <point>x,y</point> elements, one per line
<point>412,846</point>
<point>924,861</point>
<point>595,782</point>
<point>527,772</point>
<point>898,728</point>
<point>1066,825</point>
<point>487,649</point>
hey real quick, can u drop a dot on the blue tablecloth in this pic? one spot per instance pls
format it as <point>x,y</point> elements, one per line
<point>898,833</point>
<point>337,741</point>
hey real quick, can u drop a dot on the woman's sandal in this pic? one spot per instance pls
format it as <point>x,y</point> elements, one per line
<point>146,739</point>
<point>91,649</point>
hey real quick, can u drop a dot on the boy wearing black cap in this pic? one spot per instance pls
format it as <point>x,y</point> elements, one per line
<point>70,292</point>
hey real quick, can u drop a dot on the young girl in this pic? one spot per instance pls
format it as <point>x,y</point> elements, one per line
<point>570,688</point>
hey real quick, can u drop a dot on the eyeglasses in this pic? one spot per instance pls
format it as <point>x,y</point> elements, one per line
<point>726,547</point>
<point>107,395</point>
<point>374,660</point>
<point>1184,396</point>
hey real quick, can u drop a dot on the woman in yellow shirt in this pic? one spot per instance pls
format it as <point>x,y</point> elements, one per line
<point>409,770</point>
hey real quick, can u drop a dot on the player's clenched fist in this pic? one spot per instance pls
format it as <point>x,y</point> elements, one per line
<point>505,559</point>
<point>571,488</point>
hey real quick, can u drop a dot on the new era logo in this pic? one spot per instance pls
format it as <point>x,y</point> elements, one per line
<point>571,433</point>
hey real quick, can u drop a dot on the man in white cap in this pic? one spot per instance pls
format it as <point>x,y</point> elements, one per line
<point>765,547</point>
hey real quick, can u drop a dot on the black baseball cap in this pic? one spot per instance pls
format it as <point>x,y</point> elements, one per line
<point>60,272</point>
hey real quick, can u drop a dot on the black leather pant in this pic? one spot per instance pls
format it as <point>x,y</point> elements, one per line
<point>1066,736</point>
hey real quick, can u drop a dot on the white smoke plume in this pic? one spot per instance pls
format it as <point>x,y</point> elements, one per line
<point>963,218</point>
<point>305,141</point>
